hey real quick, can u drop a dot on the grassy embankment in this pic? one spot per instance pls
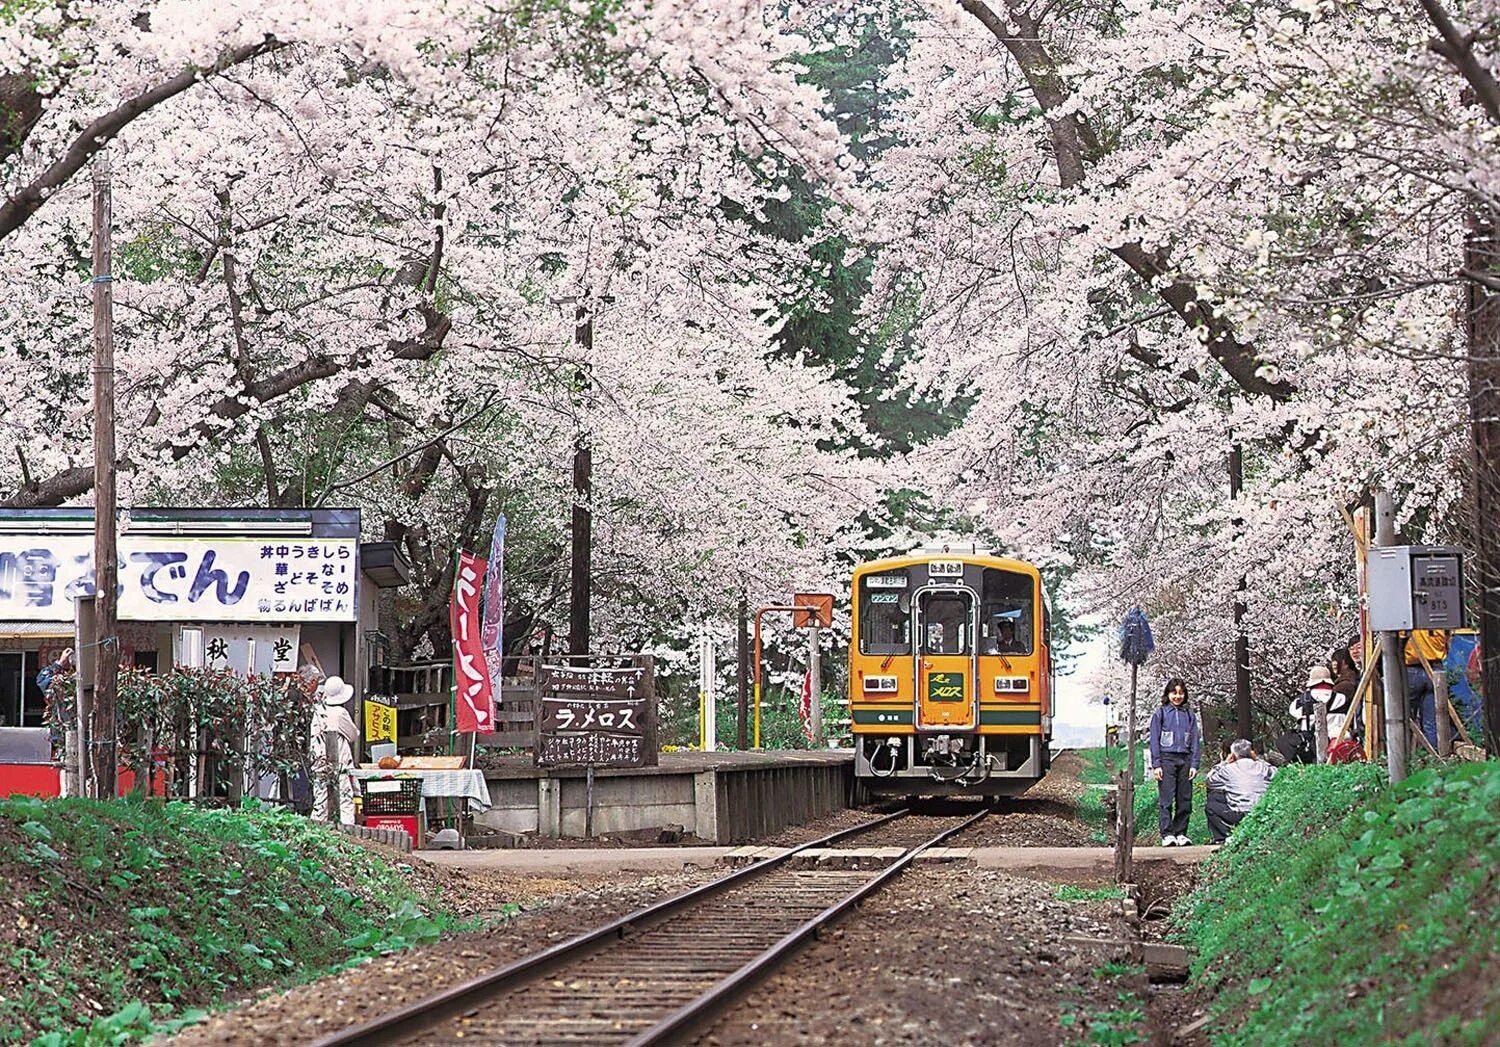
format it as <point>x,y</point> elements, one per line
<point>1101,765</point>
<point>1346,911</point>
<point>124,918</point>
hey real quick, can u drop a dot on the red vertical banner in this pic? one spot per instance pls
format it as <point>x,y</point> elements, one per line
<point>475,706</point>
<point>805,706</point>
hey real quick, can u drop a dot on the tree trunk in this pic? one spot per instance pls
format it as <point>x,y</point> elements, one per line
<point>1484,481</point>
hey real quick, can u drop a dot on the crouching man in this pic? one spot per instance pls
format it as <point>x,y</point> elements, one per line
<point>1234,787</point>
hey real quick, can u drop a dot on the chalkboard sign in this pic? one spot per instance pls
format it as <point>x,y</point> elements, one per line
<point>602,715</point>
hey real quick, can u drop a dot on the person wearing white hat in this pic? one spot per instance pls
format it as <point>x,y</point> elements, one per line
<point>1320,691</point>
<point>331,715</point>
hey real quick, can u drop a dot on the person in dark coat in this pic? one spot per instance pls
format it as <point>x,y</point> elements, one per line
<point>1174,741</point>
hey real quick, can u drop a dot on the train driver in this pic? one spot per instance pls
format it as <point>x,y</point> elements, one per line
<point>1006,641</point>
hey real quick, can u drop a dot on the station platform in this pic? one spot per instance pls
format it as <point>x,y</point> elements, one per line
<point>718,797</point>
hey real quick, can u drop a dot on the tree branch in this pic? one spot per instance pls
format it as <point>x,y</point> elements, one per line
<point>1074,145</point>
<point>1458,50</point>
<point>15,211</point>
<point>71,483</point>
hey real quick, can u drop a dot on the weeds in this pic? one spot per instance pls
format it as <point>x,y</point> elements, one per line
<point>1067,892</point>
<point>141,911</point>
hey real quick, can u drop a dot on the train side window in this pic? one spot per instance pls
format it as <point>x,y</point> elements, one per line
<point>884,621</point>
<point>1007,612</point>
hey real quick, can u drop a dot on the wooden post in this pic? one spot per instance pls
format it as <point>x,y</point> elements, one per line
<point>1442,708</point>
<point>1390,657</point>
<point>1320,711</point>
<point>103,743</point>
<point>588,802</point>
<point>1125,845</point>
<point>331,755</point>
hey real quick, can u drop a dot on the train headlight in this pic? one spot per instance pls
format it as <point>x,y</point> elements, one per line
<point>1012,685</point>
<point>880,685</point>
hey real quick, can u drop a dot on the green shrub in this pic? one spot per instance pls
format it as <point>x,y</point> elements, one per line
<point>1345,911</point>
<point>137,909</point>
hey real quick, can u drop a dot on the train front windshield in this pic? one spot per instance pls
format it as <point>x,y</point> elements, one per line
<point>884,615</point>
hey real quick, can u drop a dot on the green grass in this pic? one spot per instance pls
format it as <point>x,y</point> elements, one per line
<point>1346,911</point>
<point>1067,892</point>
<point>134,912</point>
<point>1100,766</point>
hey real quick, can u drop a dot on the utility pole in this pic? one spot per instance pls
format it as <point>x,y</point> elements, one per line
<point>106,566</point>
<point>583,521</point>
<point>1484,495</point>
<point>1241,641</point>
<point>1392,664</point>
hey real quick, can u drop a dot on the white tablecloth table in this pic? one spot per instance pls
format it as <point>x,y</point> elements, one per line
<point>467,784</point>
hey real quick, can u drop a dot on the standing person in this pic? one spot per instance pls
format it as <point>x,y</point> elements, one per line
<point>1345,681</point>
<point>1174,742</point>
<point>1420,696</point>
<point>1234,787</point>
<point>59,710</point>
<point>332,716</point>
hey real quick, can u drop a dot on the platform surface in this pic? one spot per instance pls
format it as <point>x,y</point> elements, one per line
<point>683,761</point>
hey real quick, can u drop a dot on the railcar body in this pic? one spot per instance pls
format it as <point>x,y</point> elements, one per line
<point>950,674</point>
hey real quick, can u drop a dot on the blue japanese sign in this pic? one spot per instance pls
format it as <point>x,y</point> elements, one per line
<point>166,578</point>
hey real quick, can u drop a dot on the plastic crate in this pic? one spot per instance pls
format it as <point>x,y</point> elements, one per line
<point>390,795</point>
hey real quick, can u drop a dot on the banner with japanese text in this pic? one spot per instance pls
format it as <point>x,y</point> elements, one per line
<point>490,632</point>
<point>164,578</point>
<point>475,700</point>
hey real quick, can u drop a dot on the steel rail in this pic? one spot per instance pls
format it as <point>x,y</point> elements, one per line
<point>697,1014</point>
<point>406,1021</point>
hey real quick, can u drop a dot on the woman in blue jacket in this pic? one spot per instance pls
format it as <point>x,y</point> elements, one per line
<point>1174,742</point>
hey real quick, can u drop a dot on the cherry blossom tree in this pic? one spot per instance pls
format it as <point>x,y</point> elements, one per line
<point>352,241</point>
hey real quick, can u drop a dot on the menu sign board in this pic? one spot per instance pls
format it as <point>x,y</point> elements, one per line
<point>605,717</point>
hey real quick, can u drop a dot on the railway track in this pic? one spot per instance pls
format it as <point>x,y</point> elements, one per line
<point>659,974</point>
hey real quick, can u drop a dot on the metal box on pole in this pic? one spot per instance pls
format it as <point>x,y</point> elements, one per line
<point>1415,587</point>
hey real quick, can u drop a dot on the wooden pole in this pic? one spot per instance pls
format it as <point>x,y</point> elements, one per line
<point>106,570</point>
<point>1390,656</point>
<point>331,755</point>
<point>583,520</point>
<point>1320,711</point>
<point>1125,853</point>
<point>1442,708</point>
<point>588,803</point>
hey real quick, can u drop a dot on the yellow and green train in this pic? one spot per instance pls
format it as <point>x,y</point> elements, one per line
<point>950,674</point>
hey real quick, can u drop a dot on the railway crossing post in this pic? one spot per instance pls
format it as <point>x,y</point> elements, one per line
<point>1136,646</point>
<point>708,720</point>
<point>815,675</point>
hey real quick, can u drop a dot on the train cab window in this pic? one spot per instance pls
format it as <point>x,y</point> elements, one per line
<point>946,623</point>
<point>1007,613</point>
<point>884,615</point>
